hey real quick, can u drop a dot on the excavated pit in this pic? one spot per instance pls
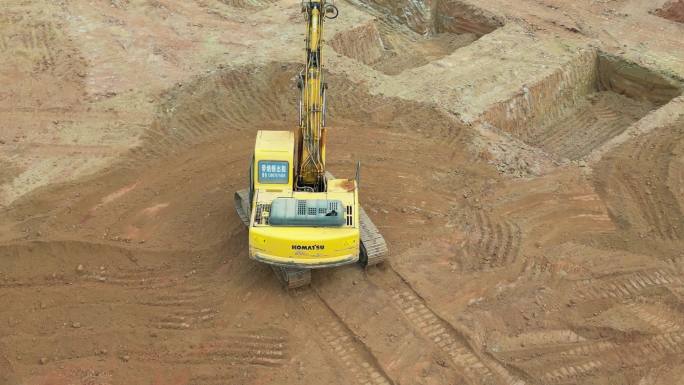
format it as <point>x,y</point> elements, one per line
<point>238,102</point>
<point>408,34</point>
<point>580,107</point>
<point>216,117</point>
<point>672,10</point>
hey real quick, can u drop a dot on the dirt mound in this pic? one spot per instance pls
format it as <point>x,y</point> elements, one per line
<point>672,10</point>
<point>239,102</point>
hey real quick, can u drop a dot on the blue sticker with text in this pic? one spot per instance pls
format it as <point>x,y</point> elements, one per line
<point>274,172</point>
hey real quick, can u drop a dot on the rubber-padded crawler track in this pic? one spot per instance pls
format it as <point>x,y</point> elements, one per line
<point>373,246</point>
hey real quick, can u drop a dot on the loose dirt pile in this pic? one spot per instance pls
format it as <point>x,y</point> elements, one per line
<point>672,10</point>
<point>525,163</point>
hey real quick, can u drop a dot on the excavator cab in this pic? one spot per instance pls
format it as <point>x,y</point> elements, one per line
<point>298,229</point>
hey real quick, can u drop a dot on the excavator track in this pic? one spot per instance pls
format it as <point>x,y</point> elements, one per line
<point>373,246</point>
<point>290,278</point>
<point>242,205</point>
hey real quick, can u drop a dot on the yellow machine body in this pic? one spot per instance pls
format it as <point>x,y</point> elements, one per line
<point>273,174</point>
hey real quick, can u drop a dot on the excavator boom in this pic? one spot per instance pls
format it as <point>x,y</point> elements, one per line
<point>311,134</point>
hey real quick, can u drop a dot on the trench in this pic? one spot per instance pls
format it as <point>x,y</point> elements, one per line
<point>584,104</point>
<point>410,34</point>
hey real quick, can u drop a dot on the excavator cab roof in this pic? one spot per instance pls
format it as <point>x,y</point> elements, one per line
<point>275,141</point>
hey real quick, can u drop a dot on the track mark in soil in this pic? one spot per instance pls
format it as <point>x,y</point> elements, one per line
<point>215,379</point>
<point>538,269</point>
<point>477,366</point>
<point>590,349</point>
<point>7,282</point>
<point>448,340</point>
<point>496,243</point>
<point>538,339</point>
<point>635,182</point>
<point>186,319</point>
<point>34,40</point>
<point>625,286</point>
<point>230,100</point>
<point>236,100</point>
<point>257,348</point>
<point>142,279</point>
<point>659,317</point>
<point>648,352</point>
<point>342,343</point>
<point>594,121</point>
<point>186,307</point>
<point>248,3</point>
<point>181,298</point>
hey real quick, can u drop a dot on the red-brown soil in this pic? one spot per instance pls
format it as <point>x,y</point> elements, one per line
<point>524,161</point>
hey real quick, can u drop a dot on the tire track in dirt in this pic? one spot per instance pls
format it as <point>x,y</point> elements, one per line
<point>342,343</point>
<point>660,317</point>
<point>248,3</point>
<point>41,46</point>
<point>538,269</point>
<point>421,327</point>
<point>32,40</point>
<point>496,242</point>
<point>449,341</point>
<point>476,366</point>
<point>186,319</point>
<point>138,279</point>
<point>528,346</point>
<point>539,338</point>
<point>602,116</point>
<point>634,181</point>
<point>55,255</point>
<point>564,357</point>
<point>251,348</point>
<point>648,352</point>
<point>245,98</point>
<point>625,286</point>
<point>210,105</point>
<point>590,349</point>
<point>165,297</point>
<point>186,305</point>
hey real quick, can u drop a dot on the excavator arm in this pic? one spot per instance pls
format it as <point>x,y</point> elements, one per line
<point>310,137</point>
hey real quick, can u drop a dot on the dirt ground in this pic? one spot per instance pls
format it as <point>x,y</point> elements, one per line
<point>524,160</point>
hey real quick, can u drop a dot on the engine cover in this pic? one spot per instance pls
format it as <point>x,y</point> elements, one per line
<point>309,212</point>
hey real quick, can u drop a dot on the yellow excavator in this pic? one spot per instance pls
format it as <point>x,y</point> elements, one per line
<point>299,216</point>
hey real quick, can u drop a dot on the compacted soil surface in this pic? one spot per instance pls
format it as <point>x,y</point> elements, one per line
<point>524,161</point>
